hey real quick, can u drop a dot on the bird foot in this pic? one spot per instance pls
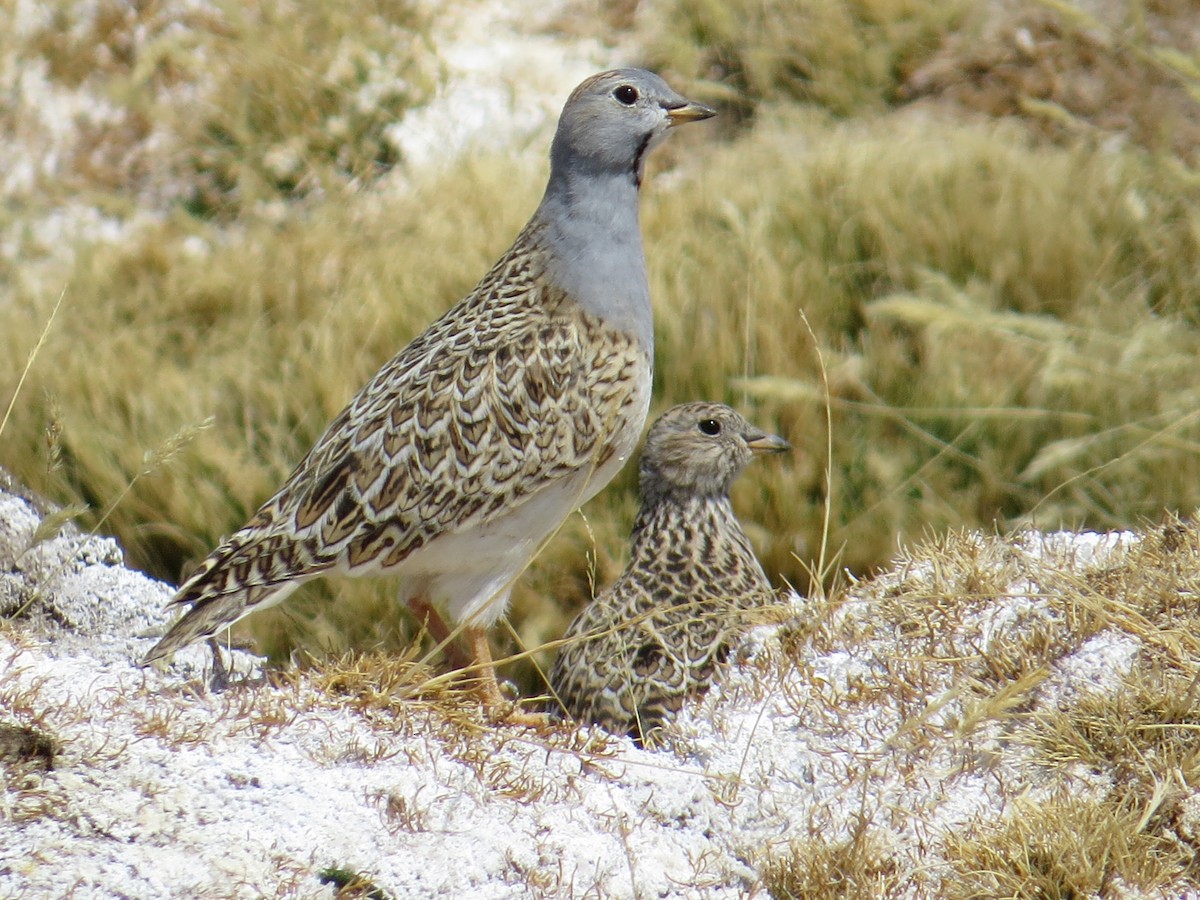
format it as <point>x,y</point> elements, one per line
<point>512,714</point>
<point>502,710</point>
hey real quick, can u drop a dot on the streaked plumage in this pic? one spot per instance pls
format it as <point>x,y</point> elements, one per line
<point>466,451</point>
<point>657,635</point>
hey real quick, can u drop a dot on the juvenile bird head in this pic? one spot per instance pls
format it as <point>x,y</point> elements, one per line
<point>698,449</point>
<point>612,120</point>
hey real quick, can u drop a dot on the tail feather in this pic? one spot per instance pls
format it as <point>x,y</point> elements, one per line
<point>240,576</point>
<point>215,612</point>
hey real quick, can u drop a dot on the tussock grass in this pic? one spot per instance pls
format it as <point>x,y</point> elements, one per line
<point>1069,846</point>
<point>1005,337</point>
<point>859,867</point>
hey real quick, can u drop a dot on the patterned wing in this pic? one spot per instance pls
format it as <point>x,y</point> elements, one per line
<point>453,438</point>
<point>510,391</point>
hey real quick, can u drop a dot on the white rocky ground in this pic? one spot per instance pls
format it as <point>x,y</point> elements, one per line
<point>160,789</point>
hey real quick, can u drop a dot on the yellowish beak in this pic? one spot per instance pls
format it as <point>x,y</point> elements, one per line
<point>768,443</point>
<point>689,112</point>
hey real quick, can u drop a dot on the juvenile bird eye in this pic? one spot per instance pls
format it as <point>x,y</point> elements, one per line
<point>710,426</point>
<point>627,94</point>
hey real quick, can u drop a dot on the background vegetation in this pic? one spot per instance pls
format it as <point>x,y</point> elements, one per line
<point>987,213</point>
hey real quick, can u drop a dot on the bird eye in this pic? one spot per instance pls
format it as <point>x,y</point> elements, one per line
<point>710,426</point>
<point>626,94</point>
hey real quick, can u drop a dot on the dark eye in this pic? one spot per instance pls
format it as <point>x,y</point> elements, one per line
<point>627,94</point>
<point>710,426</point>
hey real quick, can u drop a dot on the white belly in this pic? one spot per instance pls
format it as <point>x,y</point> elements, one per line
<point>470,573</point>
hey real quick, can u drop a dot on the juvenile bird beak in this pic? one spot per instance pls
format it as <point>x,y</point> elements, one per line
<point>767,443</point>
<point>689,112</point>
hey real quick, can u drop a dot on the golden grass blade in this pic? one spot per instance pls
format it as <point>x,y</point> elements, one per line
<point>32,356</point>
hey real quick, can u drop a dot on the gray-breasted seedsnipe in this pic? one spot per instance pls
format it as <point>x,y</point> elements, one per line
<point>657,635</point>
<point>462,456</point>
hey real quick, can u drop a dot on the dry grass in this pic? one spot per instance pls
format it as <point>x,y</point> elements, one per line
<point>857,868</point>
<point>29,746</point>
<point>1117,72</point>
<point>1068,846</point>
<point>980,647</point>
<point>847,57</point>
<point>988,362</point>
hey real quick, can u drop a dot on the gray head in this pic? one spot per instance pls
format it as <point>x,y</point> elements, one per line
<point>698,449</point>
<point>612,120</point>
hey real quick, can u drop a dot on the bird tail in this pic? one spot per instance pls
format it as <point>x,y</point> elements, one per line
<point>214,613</point>
<point>236,579</point>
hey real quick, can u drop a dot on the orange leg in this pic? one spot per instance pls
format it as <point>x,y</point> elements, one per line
<point>495,706</point>
<point>481,652</point>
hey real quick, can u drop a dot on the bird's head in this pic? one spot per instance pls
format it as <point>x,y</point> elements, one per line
<point>699,449</point>
<point>612,120</point>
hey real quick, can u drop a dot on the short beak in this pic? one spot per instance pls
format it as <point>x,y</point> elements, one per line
<point>767,443</point>
<point>689,112</point>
